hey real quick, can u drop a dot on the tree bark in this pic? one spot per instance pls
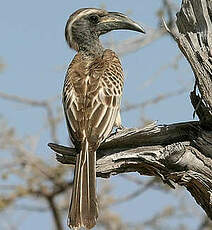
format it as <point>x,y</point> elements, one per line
<point>194,38</point>
<point>177,153</point>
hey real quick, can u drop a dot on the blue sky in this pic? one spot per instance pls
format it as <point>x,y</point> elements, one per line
<point>34,49</point>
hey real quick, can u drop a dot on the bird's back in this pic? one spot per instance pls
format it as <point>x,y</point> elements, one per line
<point>92,96</point>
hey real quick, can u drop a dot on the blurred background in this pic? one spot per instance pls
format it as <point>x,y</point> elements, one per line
<point>34,189</point>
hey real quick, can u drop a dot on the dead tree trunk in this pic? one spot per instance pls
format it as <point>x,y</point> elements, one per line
<point>177,153</point>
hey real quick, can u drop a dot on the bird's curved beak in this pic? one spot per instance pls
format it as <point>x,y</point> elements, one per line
<point>118,21</point>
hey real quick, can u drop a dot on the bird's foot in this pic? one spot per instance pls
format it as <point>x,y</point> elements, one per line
<point>119,128</point>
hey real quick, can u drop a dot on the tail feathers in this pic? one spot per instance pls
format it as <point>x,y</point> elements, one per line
<point>83,211</point>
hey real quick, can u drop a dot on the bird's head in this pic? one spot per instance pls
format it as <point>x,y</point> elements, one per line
<point>85,26</point>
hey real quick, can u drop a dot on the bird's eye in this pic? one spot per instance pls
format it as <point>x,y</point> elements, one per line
<point>94,18</point>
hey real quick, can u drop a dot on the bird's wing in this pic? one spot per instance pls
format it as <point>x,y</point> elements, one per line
<point>92,96</point>
<point>104,96</point>
<point>73,96</point>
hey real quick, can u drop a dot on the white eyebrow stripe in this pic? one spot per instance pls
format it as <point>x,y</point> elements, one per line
<point>83,13</point>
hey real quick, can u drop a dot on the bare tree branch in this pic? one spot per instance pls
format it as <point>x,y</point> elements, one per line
<point>194,40</point>
<point>55,213</point>
<point>178,153</point>
<point>151,101</point>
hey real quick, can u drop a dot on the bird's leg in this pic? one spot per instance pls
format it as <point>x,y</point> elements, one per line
<point>117,130</point>
<point>117,124</point>
<point>120,128</point>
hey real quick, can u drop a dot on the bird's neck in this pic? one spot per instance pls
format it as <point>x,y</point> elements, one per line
<point>91,47</point>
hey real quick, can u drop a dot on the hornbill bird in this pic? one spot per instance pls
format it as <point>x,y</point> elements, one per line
<point>91,99</point>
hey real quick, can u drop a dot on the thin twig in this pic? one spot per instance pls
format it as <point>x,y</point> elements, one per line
<point>136,193</point>
<point>55,213</point>
<point>42,103</point>
<point>154,100</point>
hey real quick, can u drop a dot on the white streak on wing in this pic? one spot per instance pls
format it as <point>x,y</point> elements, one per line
<point>110,123</point>
<point>94,110</point>
<point>109,118</point>
<point>88,173</point>
<point>70,98</point>
<point>101,116</point>
<point>74,110</point>
<point>71,123</point>
<point>101,96</point>
<point>69,109</point>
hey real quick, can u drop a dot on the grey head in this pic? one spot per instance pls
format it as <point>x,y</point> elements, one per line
<point>84,27</point>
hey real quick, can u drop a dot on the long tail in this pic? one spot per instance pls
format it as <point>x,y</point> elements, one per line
<point>83,211</point>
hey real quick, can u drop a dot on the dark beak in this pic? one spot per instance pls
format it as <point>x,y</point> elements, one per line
<point>118,21</point>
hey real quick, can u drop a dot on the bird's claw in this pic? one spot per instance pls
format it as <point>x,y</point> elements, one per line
<point>119,128</point>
